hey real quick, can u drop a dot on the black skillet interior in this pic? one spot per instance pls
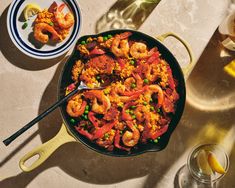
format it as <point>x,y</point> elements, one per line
<point>65,80</point>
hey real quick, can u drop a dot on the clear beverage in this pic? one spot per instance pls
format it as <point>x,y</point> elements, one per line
<point>199,170</point>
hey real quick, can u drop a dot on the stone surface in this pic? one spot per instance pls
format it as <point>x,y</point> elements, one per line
<point>29,86</point>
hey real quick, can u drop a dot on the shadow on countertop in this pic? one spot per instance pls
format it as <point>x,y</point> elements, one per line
<point>15,56</point>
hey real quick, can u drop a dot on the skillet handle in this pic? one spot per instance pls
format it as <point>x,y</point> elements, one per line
<point>189,67</point>
<point>45,150</point>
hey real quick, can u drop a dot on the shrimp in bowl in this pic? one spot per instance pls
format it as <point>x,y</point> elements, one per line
<point>53,24</point>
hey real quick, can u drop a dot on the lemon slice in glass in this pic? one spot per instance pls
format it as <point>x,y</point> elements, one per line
<point>215,164</point>
<point>202,162</point>
<point>31,10</point>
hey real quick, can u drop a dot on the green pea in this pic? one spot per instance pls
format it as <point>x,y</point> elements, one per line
<point>152,108</point>
<point>105,38</point>
<point>83,42</point>
<point>146,81</point>
<point>97,77</point>
<point>132,62</point>
<point>159,138</point>
<point>145,103</point>
<point>87,107</point>
<point>86,112</point>
<point>51,24</point>
<point>25,25</point>
<point>151,100</point>
<point>72,120</point>
<point>120,132</point>
<point>133,107</point>
<point>110,36</point>
<point>131,112</point>
<point>106,135</point>
<point>158,110</point>
<point>133,85</point>
<point>127,111</point>
<point>155,141</point>
<point>133,116</point>
<point>85,117</point>
<point>102,81</point>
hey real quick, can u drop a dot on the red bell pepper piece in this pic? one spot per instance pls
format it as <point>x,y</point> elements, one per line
<point>154,56</point>
<point>100,131</point>
<point>84,133</point>
<point>121,62</point>
<point>158,133</point>
<point>170,78</point>
<point>125,35</point>
<point>126,116</point>
<point>117,142</point>
<point>149,133</point>
<point>96,51</point>
<point>83,107</point>
<point>93,119</point>
<point>71,87</point>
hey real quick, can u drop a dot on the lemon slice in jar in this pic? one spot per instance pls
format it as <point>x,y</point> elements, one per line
<point>31,10</point>
<point>202,162</point>
<point>215,164</point>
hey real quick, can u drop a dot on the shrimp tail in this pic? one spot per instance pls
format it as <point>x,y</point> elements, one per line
<point>56,36</point>
<point>125,35</point>
<point>61,7</point>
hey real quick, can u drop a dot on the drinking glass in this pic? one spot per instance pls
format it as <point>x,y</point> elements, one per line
<point>199,174</point>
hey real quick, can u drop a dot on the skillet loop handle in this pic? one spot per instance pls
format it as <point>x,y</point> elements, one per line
<point>189,67</point>
<point>45,150</point>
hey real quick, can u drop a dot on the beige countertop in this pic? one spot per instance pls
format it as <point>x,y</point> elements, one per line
<point>29,86</point>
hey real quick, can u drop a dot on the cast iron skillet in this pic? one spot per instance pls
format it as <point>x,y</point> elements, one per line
<point>70,134</point>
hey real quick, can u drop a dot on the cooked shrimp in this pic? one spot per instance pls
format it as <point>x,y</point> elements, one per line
<point>76,106</point>
<point>136,79</point>
<point>139,81</point>
<point>129,82</point>
<point>119,47</point>
<point>117,94</point>
<point>140,112</point>
<point>152,72</point>
<point>116,91</point>
<point>152,89</point>
<point>139,50</point>
<point>39,34</point>
<point>100,102</point>
<point>131,138</point>
<point>65,21</point>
